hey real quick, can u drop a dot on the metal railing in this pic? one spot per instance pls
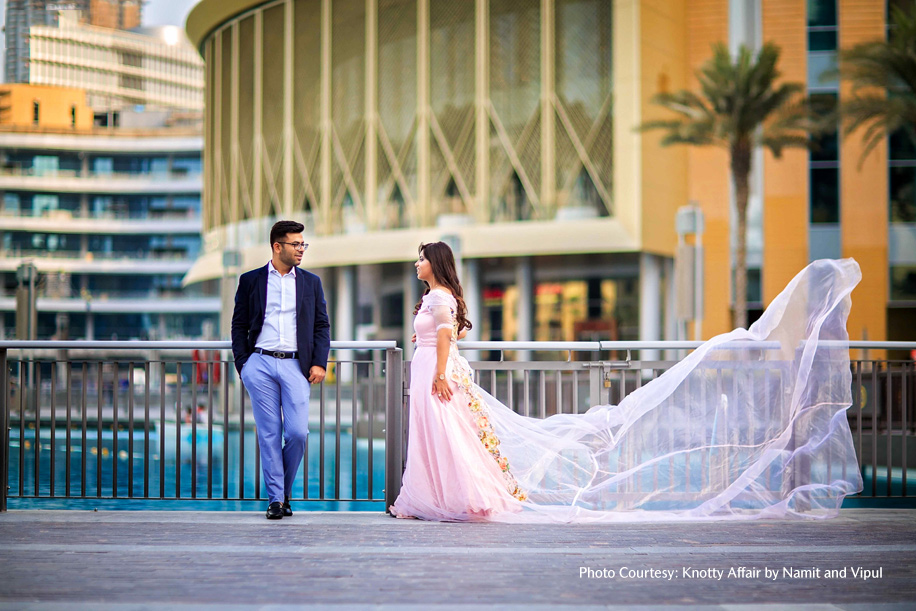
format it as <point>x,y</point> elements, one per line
<point>171,421</point>
<point>882,416</point>
<point>115,424</point>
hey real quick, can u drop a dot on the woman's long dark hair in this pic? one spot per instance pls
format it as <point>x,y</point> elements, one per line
<point>442,263</point>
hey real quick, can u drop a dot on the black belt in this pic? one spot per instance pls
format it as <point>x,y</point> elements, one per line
<point>277,354</point>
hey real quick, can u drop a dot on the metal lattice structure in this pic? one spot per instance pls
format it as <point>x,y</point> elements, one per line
<point>383,114</point>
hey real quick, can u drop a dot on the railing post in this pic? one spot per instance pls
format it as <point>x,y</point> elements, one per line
<point>4,432</point>
<point>394,409</point>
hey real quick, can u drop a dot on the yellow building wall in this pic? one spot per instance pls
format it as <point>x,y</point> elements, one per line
<point>54,112</point>
<point>663,67</point>
<point>708,172</point>
<point>864,191</point>
<point>785,180</point>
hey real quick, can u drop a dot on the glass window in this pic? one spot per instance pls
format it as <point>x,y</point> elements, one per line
<point>819,66</point>
<point>103,165</point>
<point>754,286</point>
<point>45,165</point>
<point>101,205</point>
<point>903,194</point>
<point>825,195</point>
<point>821,13</point>
<point>825,147</point>
<point>187,165</point>
<point>11,203</point>
<point>43,203</point>
<point>903,283</point>
<point>902,146</point>
<point>123,326</point>
<point>822,40</point>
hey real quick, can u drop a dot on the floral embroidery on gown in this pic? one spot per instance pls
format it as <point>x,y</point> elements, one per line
<point>752,424</point>
<point>455,471</point>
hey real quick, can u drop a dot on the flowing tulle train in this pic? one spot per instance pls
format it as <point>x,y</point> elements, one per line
<point>750,425</point>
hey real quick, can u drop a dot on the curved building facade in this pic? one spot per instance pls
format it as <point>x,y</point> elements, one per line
<point>385,123</point>
<point>392,114</point>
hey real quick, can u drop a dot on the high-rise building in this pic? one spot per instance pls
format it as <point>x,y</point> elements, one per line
<point>509,127</point>
<point>22,15</point>
<point>100,189</point>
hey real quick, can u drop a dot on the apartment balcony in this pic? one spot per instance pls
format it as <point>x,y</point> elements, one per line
<point>171,222</point>
<point>71,181</point>
<point>151,302</point>
<point>142,262</point>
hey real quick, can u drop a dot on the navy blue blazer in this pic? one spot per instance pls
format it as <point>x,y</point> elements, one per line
<point>313,329</point>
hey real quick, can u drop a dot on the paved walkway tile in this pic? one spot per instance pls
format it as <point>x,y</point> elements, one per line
<point>864,559</point>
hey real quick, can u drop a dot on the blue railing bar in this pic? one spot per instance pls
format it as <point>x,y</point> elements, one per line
<point>576,346</point>
<point>876,345</point>
<point>668,345</point>
<point>167,345</point>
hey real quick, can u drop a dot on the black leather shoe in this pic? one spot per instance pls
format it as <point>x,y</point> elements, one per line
<point>287,510</point>
<point>275,511</point>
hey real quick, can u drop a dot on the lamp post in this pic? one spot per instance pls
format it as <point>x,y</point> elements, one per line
<point>26,314</point>
<point>689,270</point>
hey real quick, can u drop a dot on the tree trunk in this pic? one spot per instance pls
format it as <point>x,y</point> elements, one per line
<point>741,169</point>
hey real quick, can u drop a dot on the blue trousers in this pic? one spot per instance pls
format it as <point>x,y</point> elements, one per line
<point>280,402</point>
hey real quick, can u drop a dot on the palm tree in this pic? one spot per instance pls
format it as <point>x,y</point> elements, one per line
<point>883,75</point>
<point>740,106</point>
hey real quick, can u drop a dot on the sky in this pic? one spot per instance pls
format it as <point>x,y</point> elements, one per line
<point>155,12</point>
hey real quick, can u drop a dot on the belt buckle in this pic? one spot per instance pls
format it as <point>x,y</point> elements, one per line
<point>279,355</point>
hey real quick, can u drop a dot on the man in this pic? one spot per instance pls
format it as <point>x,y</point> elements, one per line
<point>280,341</point>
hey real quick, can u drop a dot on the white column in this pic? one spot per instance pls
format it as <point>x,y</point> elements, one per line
<point>372,212</point>
<point>548,116</point>
<point>425,215</point>
<point>650,278</point>
<point>524,280</point>
<point>326,153</point>
<point>344,322</point>
<point>481,103</point>
<point>412,290</point>
<point>473,298</point>
<point>288,20</point>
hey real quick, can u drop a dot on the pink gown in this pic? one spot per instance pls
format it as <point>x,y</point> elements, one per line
<point>752,424</point>
<point>454,468</point>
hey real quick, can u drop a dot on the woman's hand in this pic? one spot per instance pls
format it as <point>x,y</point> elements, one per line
<point>463,334</point>
<point>413,338</point>
<point>441,389</point>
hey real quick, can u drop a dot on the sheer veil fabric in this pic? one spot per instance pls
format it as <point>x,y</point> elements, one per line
<point>750,425</point>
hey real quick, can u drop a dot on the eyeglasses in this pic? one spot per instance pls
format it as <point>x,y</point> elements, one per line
<point>296,245</point>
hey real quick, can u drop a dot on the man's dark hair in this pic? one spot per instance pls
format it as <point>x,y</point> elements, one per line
<point>282,228</point>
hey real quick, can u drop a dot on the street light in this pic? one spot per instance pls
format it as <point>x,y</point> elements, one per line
<point>689,270</point>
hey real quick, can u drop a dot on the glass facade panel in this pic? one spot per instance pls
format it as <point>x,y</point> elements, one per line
<point>192,166</point>
<point>103,165</point>
<point>45,165</point>
<point>825,195</point>
<point>825,146</point>
<point>123,326</point>
<point>822,40</point>
<point>903,283</point>
<point>903,194</point>
<point>821,75</point>
<point>902,146</point>
<point>822,13</point>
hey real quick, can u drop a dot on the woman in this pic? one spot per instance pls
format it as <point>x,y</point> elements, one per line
<point>454,468</point>
<point>751,424</point>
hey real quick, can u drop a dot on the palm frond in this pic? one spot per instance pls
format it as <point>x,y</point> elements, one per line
<point>883,77</point>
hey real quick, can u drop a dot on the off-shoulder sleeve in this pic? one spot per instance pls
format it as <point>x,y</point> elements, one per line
<point>442,306</point>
